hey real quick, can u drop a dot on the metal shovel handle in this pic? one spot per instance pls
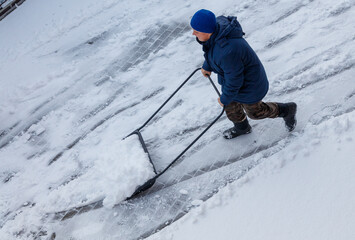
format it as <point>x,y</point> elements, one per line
<point>151,181</point>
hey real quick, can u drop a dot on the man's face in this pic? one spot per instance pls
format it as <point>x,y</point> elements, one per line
<point>202,37</point>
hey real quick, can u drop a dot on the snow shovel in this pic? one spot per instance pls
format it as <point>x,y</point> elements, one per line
<point>151,181</point>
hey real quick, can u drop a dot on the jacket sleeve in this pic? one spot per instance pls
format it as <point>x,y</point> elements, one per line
<point>206,66</point>
<point>233,68</point>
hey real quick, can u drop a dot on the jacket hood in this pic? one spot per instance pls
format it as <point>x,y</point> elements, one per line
<point>227,27</point>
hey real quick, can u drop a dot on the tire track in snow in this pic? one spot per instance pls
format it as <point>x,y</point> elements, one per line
<point>315,76</point>
<point>163,35</point>
<point>156,39</point>
<point>39,112</point>
<point>112,98</point>
<point>341,9</point>
<point>278,41</point>
<point>321,76</point>
<point>284,15</point>
<point>158,187</point>
<point>290,12</point>
<point>7,176</point>
<point>12,214</point>
<point>85,49</point>
<point>198,172</point>
<point>99,123</point>
<point>5,132</point>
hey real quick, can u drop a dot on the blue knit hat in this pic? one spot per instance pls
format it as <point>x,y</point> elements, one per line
<point>203,21</point>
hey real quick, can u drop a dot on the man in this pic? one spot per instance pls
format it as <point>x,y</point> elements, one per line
<point>240,73</point>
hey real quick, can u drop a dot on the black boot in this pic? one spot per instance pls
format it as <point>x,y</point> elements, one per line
<point>239,128</point>
<point>288,112</point>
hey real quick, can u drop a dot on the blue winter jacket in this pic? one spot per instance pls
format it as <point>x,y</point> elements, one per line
<point>239,69</point>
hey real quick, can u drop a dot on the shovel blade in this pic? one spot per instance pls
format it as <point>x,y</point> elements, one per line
<point>144,187</point>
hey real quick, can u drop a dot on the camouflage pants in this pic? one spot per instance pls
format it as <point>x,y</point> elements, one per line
<point>236,112</point>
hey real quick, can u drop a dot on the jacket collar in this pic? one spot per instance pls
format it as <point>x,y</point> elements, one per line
<point>209,43</point>
<point>227,27</point>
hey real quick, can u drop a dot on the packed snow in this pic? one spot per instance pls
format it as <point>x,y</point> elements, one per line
<point>77,77</point>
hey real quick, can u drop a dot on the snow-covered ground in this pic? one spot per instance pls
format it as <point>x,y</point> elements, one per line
<point>77,77</point>
<point>305,191</point>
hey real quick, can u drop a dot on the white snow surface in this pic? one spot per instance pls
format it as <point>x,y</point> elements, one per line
<point>306,191</point>
<point>76,77</point>
<point>119,167</point>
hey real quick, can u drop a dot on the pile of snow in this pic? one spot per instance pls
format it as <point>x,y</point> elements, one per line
<point>101,167</point>
<point>110,169</point>
<point>119,167</point>
<point>306,191</point>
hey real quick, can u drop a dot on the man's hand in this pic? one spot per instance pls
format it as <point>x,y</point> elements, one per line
<point>219,101</point>
<point>205,73</point>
